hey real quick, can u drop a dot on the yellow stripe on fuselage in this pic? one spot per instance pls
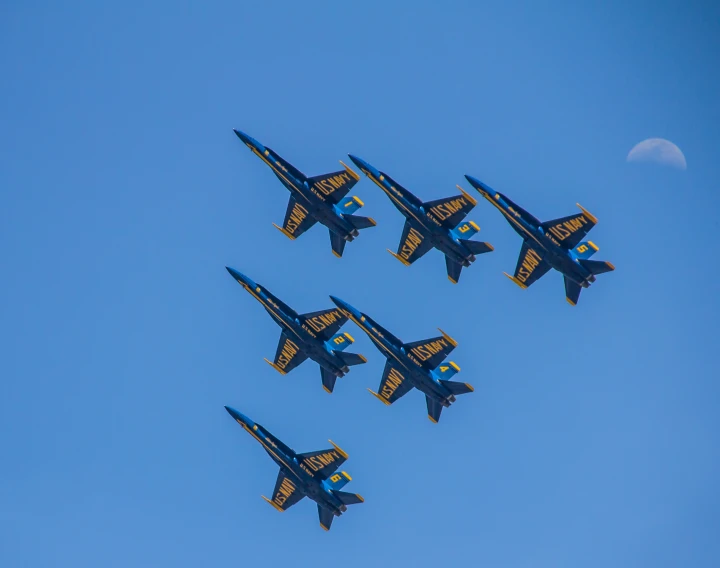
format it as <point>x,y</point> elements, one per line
<point>259,299</point>
<point>264,445</point>
<point>278,172</point>
<point>395,199</point>
<point>375,340</point>
<point>512,218</point>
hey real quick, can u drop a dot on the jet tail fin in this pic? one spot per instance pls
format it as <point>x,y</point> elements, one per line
<point>339,480</point>
<point>351,359</point>
<point>348,205</point>
<point>447,370</point>
<point>348,498</point>
<point>360,222</point>
<point>477,247</point>
<point>340,341</point>
<point>597,266</point>
<point>585,250</point>
<point>456,387</point>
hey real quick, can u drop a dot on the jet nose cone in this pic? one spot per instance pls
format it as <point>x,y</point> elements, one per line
<point>239,276</point>
<point>477,184</point>
<point>364,166</point>
<point>344,306</point>
<point>249,140</point>
<point>238,416</point>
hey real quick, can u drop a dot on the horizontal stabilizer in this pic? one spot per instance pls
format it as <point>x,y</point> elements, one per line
<point>360,222</point>
<point>453,269</point>
<point>328,380</point>
<point>434,409</point>
<point>572,291</point>
<point>456,387</point>
<point>339,480</point>
<point>340,341</point>
<point>326,517</point>
<point>585,250</point>
<point>477,247</point>
<point>447,370</point>
<point>597,266</point>
<point>337,243</point>
<point>465,230</point>
<point>348,205</point>
<point>348,498</point>
<point>351,359</point>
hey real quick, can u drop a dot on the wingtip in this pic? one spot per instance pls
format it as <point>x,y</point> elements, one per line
<point>327,390</point>
<point>588,214</point>
<point>285,232</point>
<point>467,196</point>
<point>569,301</point>
<point>336,254</point>
<point>350,170</point>
<point>401,259</point>
<point>376,395</point>
<point>449,339</point>
<point>610,265</point>
<point>339,449</point>
<point>432,419</point>
<point>523,286</point>
<point>452,279</point>
<point>324,527</point>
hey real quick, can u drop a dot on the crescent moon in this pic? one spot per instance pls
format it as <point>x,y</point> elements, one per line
<point>658,150</point>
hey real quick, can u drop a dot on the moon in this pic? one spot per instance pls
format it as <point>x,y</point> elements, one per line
<point>658,150</point>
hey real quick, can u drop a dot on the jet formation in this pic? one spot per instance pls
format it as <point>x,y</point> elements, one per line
<point>424,364</point>
<point>311,474</point>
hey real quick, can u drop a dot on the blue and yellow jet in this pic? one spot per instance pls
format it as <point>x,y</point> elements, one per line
<point>311,474</point>
<point>554,244</point>
<point>439,224</point>
<point>314,335</point>
<point>418,364</point>
<point>312,199</point>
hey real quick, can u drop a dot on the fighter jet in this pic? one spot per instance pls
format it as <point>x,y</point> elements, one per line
<point>418,364</point>
<point>312,199</point>
<point>553,244</point>
<point>314,335</point>
<point>437,224</point>
<point>311,474</point>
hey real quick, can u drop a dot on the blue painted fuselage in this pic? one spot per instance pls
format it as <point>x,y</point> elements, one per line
<point>309,197</point>
<point>308,341</point>
<point>441,237</point>
<point>530,229</point>
<point>302,477</point>
<point>423,379</point>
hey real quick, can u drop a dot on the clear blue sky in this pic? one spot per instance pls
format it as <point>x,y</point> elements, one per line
<point>592,436</point>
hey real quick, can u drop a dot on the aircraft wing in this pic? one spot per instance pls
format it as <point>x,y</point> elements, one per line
<point>450,211</point>
<point>570,230</point>
<point>324,323</point>
<point>323,463</point>
<point>530,267</point>
<point>334,186</point>
<point>288,355</point>
<point>393,385</point>
<point>297,220</point>
<point>285,494</point>
<point>432,351</point>
<point>413,245</point>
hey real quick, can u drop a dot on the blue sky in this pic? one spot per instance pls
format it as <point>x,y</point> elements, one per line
<point>592,436</point>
